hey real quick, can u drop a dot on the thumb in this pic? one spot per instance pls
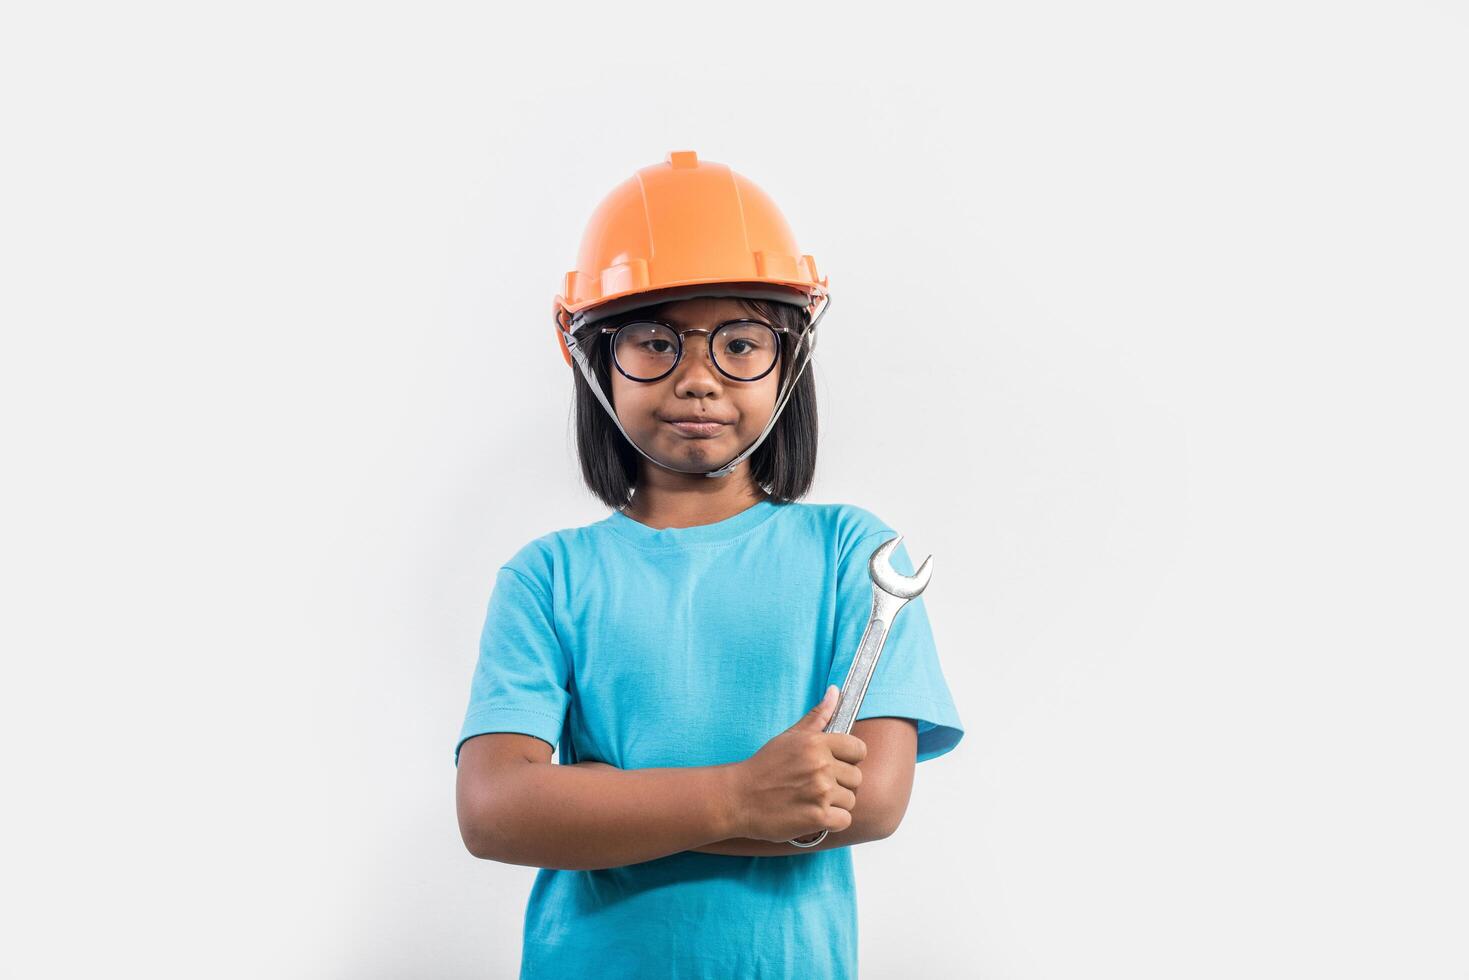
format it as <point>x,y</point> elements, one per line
<point>815,719</point>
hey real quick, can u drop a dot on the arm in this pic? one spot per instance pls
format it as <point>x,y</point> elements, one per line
<point>867,825</point>
<point>515,807</point>
<point>887,783</point>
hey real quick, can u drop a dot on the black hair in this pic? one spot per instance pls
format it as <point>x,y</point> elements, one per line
<point>784,465</point>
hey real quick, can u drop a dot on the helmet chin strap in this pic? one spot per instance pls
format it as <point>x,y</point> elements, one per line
<point>780,403</point>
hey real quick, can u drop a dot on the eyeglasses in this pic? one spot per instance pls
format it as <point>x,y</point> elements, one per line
<point>649,350</point>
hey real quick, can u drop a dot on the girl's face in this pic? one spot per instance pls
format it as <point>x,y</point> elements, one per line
<point>695,389</point>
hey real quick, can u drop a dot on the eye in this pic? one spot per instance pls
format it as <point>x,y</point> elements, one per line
<point>744,340</point>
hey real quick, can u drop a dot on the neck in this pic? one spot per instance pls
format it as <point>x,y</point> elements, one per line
<point>665,499</point>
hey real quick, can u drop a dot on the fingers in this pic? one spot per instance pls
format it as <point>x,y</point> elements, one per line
<point>837,813</point>
<point>815,719</point>
<point>847,774</point>
<point>847,748</point>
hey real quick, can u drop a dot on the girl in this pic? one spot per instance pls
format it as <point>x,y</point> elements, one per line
<point>673,649</point>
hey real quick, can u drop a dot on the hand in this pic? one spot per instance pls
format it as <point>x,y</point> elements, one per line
<point>802,781</point>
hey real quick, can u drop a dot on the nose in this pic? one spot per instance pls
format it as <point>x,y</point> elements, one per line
<point>696,376</point>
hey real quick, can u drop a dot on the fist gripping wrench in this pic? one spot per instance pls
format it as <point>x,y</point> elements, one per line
<point>890,593</point>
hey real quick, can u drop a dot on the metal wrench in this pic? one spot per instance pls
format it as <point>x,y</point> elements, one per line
<point>891,591</point>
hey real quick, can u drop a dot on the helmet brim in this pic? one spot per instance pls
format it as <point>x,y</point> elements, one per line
<point>791,295</point>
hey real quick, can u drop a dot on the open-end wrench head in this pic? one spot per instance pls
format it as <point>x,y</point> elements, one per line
<point>890,580</point>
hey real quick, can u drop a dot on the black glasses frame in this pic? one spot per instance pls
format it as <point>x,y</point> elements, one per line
<point>708,340</point>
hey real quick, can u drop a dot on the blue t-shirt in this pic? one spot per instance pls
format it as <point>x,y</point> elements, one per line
<point>695,646</point>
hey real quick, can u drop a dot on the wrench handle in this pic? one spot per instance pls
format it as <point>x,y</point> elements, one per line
<point>859,675</point>
<point>884,608</point>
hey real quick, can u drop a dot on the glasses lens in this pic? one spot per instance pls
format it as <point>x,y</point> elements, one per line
<point>645,350</point>
<point>745,350</point>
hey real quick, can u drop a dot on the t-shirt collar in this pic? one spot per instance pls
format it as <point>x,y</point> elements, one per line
<point>723,530</point>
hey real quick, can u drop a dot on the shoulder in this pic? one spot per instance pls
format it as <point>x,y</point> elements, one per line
<point>533,564</point>
<point>842,525</point>
<point>544,558</point>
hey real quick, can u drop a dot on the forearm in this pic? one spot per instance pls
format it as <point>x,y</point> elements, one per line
<point>583,817</point>
<point>867,825</point>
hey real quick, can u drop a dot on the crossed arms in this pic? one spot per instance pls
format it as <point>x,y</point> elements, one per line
<point>515,807</point>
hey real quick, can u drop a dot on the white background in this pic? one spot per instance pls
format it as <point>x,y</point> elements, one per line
<point>1173,390</point>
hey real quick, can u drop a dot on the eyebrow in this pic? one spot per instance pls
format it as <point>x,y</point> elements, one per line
<point>667,316</point>
<point>678,321</point>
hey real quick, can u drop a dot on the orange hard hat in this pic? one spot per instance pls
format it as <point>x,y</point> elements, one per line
<point>676,230</point>
<point>685,227</point>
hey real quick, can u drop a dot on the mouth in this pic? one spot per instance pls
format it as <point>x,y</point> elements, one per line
<point>702,428</point>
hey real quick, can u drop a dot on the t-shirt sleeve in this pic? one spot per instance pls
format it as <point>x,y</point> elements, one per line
<point>520,681</point>
<point>908,681</point>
